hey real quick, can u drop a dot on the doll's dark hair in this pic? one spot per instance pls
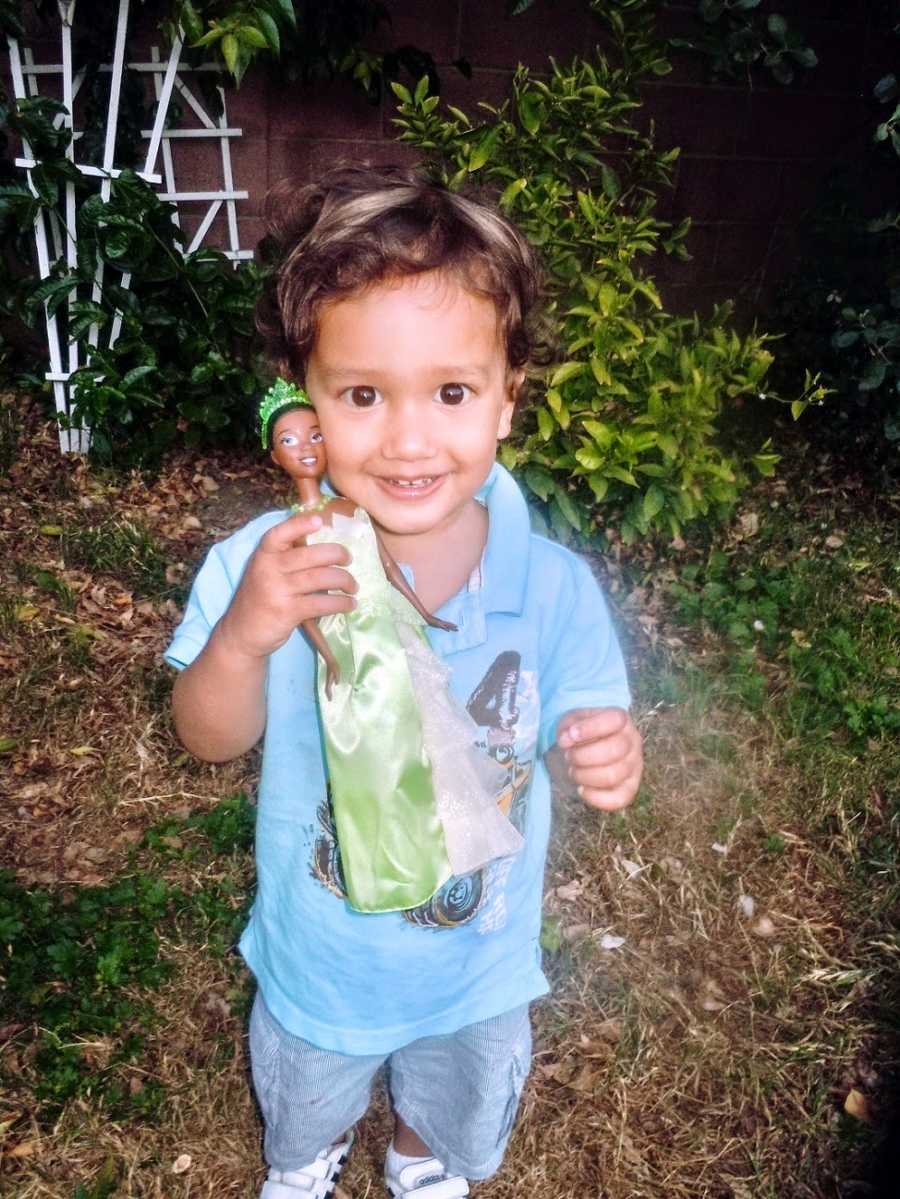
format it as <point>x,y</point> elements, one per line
<point>359,225</point>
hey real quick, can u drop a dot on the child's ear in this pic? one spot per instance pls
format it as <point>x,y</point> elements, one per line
<point>514,382</point>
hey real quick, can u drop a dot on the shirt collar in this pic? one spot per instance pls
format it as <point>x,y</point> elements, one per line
<point>505,560</point>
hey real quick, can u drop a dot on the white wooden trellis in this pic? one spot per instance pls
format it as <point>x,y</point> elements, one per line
<point>63,232</point>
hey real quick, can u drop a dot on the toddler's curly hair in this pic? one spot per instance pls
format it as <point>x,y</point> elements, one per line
<point>359,225</point>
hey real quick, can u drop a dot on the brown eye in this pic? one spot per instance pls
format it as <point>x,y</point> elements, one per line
<point>363,397</point>
<point>452,393</point>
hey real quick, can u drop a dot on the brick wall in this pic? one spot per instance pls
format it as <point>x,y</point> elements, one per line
<point>753,159</point>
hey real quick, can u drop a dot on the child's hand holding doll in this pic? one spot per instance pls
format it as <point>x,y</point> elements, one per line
<point>602,750</point>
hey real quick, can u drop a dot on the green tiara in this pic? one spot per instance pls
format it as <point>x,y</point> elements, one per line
<point>280,395</point>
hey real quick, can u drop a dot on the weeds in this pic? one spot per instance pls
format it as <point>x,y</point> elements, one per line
<point>839,648</point>
<point>124,549</point>
<point>78,966</point>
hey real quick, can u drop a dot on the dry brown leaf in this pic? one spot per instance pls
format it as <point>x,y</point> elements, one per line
<point>23,1149</point>
<point>857,1105</point>
<point>569,891</point>
<point>576,932</point>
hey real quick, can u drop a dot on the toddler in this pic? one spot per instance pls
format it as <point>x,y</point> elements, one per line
<point>408,315</point>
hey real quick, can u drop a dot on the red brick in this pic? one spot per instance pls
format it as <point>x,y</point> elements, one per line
<point>251,230</point>
<point>334,109</point>
<point>491,86</point>
<point>250,169</point>
<point>197,164</point>
<point>701,298</point>
<point>804,181</point>
<point>728,189</point>
<point>433,27</point>
<point>702,244</point>
<point>305,160</point>
<point>742,256</point>
<point>701,120</point>
<point>840,50</point>
<point>248,105</point>
<point>489,38</point>
<point>786,123</point>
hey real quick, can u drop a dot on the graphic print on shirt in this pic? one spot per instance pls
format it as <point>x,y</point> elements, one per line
<point>505,705</point>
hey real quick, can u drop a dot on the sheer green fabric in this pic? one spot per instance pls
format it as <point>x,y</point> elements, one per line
<point>391,839</point>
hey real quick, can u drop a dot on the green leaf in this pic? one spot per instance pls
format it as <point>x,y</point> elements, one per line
<point>620,473</point>
<point>612,186</point>
<point>590,459</point>
<point>567,371</point>
<point>251,36</point>
<point>285,10</point>
<point>874,375</point>
<point>798,407</point>
<point>599,485</point>
<point>510,192</point>
<point>654,501</point>
<point>402,93</point>
<point>270,29</point>
<point>566,506</point>
<point>777,26</point>
<point>539,481</point>
<point>421,90</point>
<point>602,434</point>
<point>530,108</point>
<point>482,152</point>
<point>230,51</point>
<point>546,424</point>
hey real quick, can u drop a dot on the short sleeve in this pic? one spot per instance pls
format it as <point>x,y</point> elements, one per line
<point>582,665</point>
<point>209,598</point>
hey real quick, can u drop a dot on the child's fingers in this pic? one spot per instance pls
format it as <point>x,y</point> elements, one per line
<point>608,801</point>
<point>589,724</point>
<point>601,752</point>
<point>326,603</point>
<point>288,532</point>
<point>306,557</point>
<point>609,776</point>
<point>322,578</point>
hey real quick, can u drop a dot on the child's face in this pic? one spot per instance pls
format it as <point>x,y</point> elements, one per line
<point>412,391</point>
<point>297,444</point>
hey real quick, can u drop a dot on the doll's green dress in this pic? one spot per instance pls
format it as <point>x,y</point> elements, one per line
<point>414,800</point>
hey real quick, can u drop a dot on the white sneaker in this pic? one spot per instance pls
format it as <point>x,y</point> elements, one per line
<point>426,1179</point>
<point>315,1181</point>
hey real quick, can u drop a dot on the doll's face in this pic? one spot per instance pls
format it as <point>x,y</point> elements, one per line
<point>297,444</point>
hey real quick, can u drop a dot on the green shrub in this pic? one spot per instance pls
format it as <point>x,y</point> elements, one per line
<point>626,429</point>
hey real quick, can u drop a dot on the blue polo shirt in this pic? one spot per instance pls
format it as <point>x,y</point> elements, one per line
<point>534,641</point>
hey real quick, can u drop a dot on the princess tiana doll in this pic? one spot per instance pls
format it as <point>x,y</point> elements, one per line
<point>414,800</point>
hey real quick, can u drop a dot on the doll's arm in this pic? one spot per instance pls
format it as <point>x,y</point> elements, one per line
<point>397,579</point>
<point>317,637</point>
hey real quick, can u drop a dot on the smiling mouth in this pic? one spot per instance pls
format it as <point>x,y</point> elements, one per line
<point>308,461</point>
<point>424,481</point>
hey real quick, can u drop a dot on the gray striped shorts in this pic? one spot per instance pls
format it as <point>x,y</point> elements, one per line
<point>459,1092</point>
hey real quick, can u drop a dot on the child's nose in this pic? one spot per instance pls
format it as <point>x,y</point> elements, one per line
<point>408,435</point>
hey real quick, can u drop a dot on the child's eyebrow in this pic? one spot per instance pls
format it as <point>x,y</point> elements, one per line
<point>448,372</point>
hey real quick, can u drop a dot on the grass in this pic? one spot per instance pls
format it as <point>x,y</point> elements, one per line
<point>121,548</point>
<point>724,956</point>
